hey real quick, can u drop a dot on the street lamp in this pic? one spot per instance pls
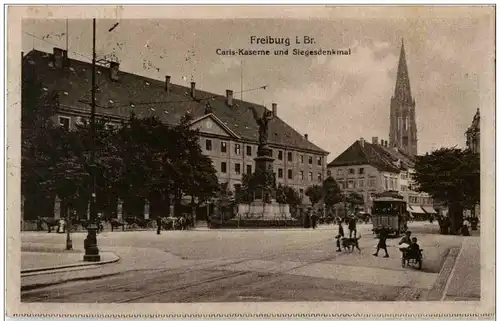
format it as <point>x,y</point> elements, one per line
<point>90,243</point>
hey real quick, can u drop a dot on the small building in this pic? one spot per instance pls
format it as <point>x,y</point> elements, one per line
<point>371,168</point>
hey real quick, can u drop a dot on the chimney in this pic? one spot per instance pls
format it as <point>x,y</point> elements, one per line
<point>114,68</point>
<point>385,143</point>
<point>167,84</point>
<point>193,89</point>
<point>229,96</point>
<point>60,56</point>
<point>362,142</point>
<point>381,142</point>
<point>375,140</point>
<point>306,136</point>
<point>275,109</point>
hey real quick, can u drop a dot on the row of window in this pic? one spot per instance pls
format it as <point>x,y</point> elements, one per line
<point>237,168</point>
<point>223,148</point>
<point>351,171</point>
<point>237,151</point>
<point>65,121</point>
<point>360,183</point>
<point>280,174</point>
<point>420,200</point>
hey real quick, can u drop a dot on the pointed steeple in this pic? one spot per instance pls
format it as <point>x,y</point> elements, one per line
<point>402,92</point>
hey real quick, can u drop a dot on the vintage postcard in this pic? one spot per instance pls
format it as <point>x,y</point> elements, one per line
<point>251,162</point>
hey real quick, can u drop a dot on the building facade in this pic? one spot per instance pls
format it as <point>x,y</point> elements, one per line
<point>473,133</point>
<point>371,168</point>
<point>473,143</point>
<point>228,132</point>
<point>403,125</point>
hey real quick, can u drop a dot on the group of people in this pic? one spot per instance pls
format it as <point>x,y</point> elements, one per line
<point>412,249</point>
<point>351,225</point>
<point>310,219</point>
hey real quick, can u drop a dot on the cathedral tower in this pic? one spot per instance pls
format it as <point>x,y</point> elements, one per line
<point>403,128</point>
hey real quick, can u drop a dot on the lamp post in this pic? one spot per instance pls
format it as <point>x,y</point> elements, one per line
<point>90,243</point>
<point>69,242</point>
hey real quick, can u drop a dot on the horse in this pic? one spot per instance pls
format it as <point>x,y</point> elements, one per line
<point>49,221</point>
<point>140,222</point>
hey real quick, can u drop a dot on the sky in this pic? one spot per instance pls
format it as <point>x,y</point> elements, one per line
<point>334,99</point>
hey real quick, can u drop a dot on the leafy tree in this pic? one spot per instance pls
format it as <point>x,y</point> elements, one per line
<point>288,195</point>
<point>331,193</point>
<point>354,200</point>
<point>450,175</point>
<point>315,193</point>
<point>37,107</point>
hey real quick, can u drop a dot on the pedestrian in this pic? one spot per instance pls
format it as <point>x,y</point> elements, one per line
<point>100,226</point>
<point>352,226</point>
<point>465,228</point>
<point>158,225</point>
<point>314,218</point>
<point>382,242</point>
<point>340,235</point>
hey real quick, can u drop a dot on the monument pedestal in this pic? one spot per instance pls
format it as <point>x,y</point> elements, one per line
<point>259,210</point>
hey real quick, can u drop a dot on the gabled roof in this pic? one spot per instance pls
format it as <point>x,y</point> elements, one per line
<point>147,97</point>
<point>218,122</point>
<point>382,158</point>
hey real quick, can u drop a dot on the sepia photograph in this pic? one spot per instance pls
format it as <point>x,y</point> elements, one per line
<point>275,157</point>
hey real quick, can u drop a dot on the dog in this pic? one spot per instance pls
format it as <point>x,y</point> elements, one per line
<point>349,243</point>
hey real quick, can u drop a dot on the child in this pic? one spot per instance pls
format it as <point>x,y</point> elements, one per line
<point>340,235</point>
<point>414,248</point>
<point>381,242</point>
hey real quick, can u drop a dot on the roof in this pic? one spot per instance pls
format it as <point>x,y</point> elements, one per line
<point>382,158</point>
<point>148,97</point>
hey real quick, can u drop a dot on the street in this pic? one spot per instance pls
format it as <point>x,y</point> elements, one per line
<point>240,265</point>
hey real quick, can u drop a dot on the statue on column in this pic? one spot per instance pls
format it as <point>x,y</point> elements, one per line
<point>263,122</point>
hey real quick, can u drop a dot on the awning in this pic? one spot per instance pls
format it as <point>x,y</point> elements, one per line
<point>417,210</point>
<point>408,208</point>
<point>429,210</point>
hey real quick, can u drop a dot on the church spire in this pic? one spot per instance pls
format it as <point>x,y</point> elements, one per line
<point>402,92</point>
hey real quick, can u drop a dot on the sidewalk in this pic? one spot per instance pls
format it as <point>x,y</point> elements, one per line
<point>465,280</point>
<point>32,262</point>
<point>131,259</point>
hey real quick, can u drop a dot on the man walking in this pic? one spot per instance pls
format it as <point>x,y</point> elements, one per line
<point>352,226</point>
<point>382,242</point>
<point>340,235</point>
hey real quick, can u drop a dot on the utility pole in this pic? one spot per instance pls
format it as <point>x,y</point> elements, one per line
<point>90,243</point>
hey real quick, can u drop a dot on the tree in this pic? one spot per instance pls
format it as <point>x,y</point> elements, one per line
<point>452,176</point>
<point>315,193</point>
<point>288,195</point>
<point>354,200</point>
<point>38,105</point>
<point>331,193</point>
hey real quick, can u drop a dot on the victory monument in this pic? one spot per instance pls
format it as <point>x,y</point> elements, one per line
<point>262,183</point>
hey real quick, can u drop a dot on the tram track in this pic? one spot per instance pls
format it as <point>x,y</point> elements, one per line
<point>182,271</point>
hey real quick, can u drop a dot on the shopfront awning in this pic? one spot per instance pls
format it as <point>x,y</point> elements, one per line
<point>408,208</point>
<point>417,209</point>
<point>429,210</point>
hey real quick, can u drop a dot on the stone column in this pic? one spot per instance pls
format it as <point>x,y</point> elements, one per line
<point>172,206</point>
<point>146,209</point>
<point>23,199</point>
<point>57,207</point>
<point>119,210</point>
